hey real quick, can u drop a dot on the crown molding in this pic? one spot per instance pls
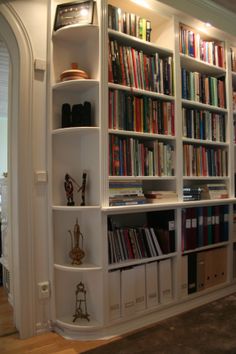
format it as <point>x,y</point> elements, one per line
<point>206,11</point>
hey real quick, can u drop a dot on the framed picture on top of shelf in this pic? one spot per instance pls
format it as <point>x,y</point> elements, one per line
<point>73,13</point>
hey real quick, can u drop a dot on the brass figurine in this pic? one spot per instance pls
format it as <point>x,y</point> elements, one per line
<point>80,303</point>
<point>76,253</point>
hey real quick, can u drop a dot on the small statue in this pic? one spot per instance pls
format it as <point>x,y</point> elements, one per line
<point>69,188</point>
<point>76,253</point>
<point>80,303</point>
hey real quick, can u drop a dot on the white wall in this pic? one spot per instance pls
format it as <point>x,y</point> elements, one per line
<point>33,15</point>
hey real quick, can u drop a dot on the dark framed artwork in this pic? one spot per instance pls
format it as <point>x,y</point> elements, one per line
<point>78,12</point>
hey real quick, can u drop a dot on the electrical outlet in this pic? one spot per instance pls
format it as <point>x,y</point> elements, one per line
<point>44,290</point>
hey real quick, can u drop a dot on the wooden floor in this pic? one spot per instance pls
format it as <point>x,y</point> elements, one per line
<point>6,315</point>
<point>48,343</point>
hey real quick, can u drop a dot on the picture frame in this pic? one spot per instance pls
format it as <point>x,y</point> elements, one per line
<point>77,12</point>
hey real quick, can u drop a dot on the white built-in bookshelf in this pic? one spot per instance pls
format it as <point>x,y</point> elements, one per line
<point>159,157</point>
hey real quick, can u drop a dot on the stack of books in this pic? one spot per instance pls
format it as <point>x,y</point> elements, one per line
<point>161,196</point>
<point>126,193</point>
<point>192,193</point>
<point>215,191</point>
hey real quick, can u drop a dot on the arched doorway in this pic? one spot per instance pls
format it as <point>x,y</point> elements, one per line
<point>19,168</point>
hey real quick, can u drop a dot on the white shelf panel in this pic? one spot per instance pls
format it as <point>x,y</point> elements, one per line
<point>75,33</point>
<point>199,105</point>
<point>141,134</point>
<point>139,43</point>
<point>204,142</point>
<point>75,130</point>
<point>171,178</point>
<point>80,268</point>
<point>194,64</point>
<point>194,178</point>
<point>75,85</point>
<point>137,91</point>
<point>140,261</point>
<point>140,208</point>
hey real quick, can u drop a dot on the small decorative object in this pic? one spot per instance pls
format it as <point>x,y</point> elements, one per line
<point>69,188</point>
<point>77,116</point>
<point>76,253</point>
<point>74,74</point>
<point>66,115</point>
<point>81,114</point>
<point>80,303</point>
<point>73,13</point>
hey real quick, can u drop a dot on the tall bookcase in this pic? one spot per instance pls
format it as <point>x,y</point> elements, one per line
<point>161,121</point>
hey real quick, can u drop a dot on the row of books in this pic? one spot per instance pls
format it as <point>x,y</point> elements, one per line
<point>206,191</point>
<point>131,67</point>
<point>126,193</point>
<point>202,270</point>
<point>233,59</point>
<point>204,161</point>
<point>129,23</point>
<point>130,243</point>
<point>135,157</point>
<point>203,226</point>
<point>234,101</point>
<point>138,288</point>
<point>234,260</point>
<point>202,88</point>
<point>140,113</point>
<point>193,45</point>
<point>204,125</point>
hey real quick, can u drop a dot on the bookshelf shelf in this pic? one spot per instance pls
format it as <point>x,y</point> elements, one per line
<point>142,135</point>
<point>194,104</point>
<point>218,178</point>
<point>140,261</point>
<point>204,142</point>
<point>190,63</point>
<point>134,90</point>
<point>139,43</point>
<point>125,159</point>
<point>198,249</point>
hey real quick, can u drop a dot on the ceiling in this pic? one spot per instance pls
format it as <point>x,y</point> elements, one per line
<point>229,5</point>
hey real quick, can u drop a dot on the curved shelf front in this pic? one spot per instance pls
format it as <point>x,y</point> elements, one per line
<point>75,85</point>
<point>80,268</point>
<point>74,208</point>
<point>83,324</point>
<point>75,130</point>
<point>75,33</point>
